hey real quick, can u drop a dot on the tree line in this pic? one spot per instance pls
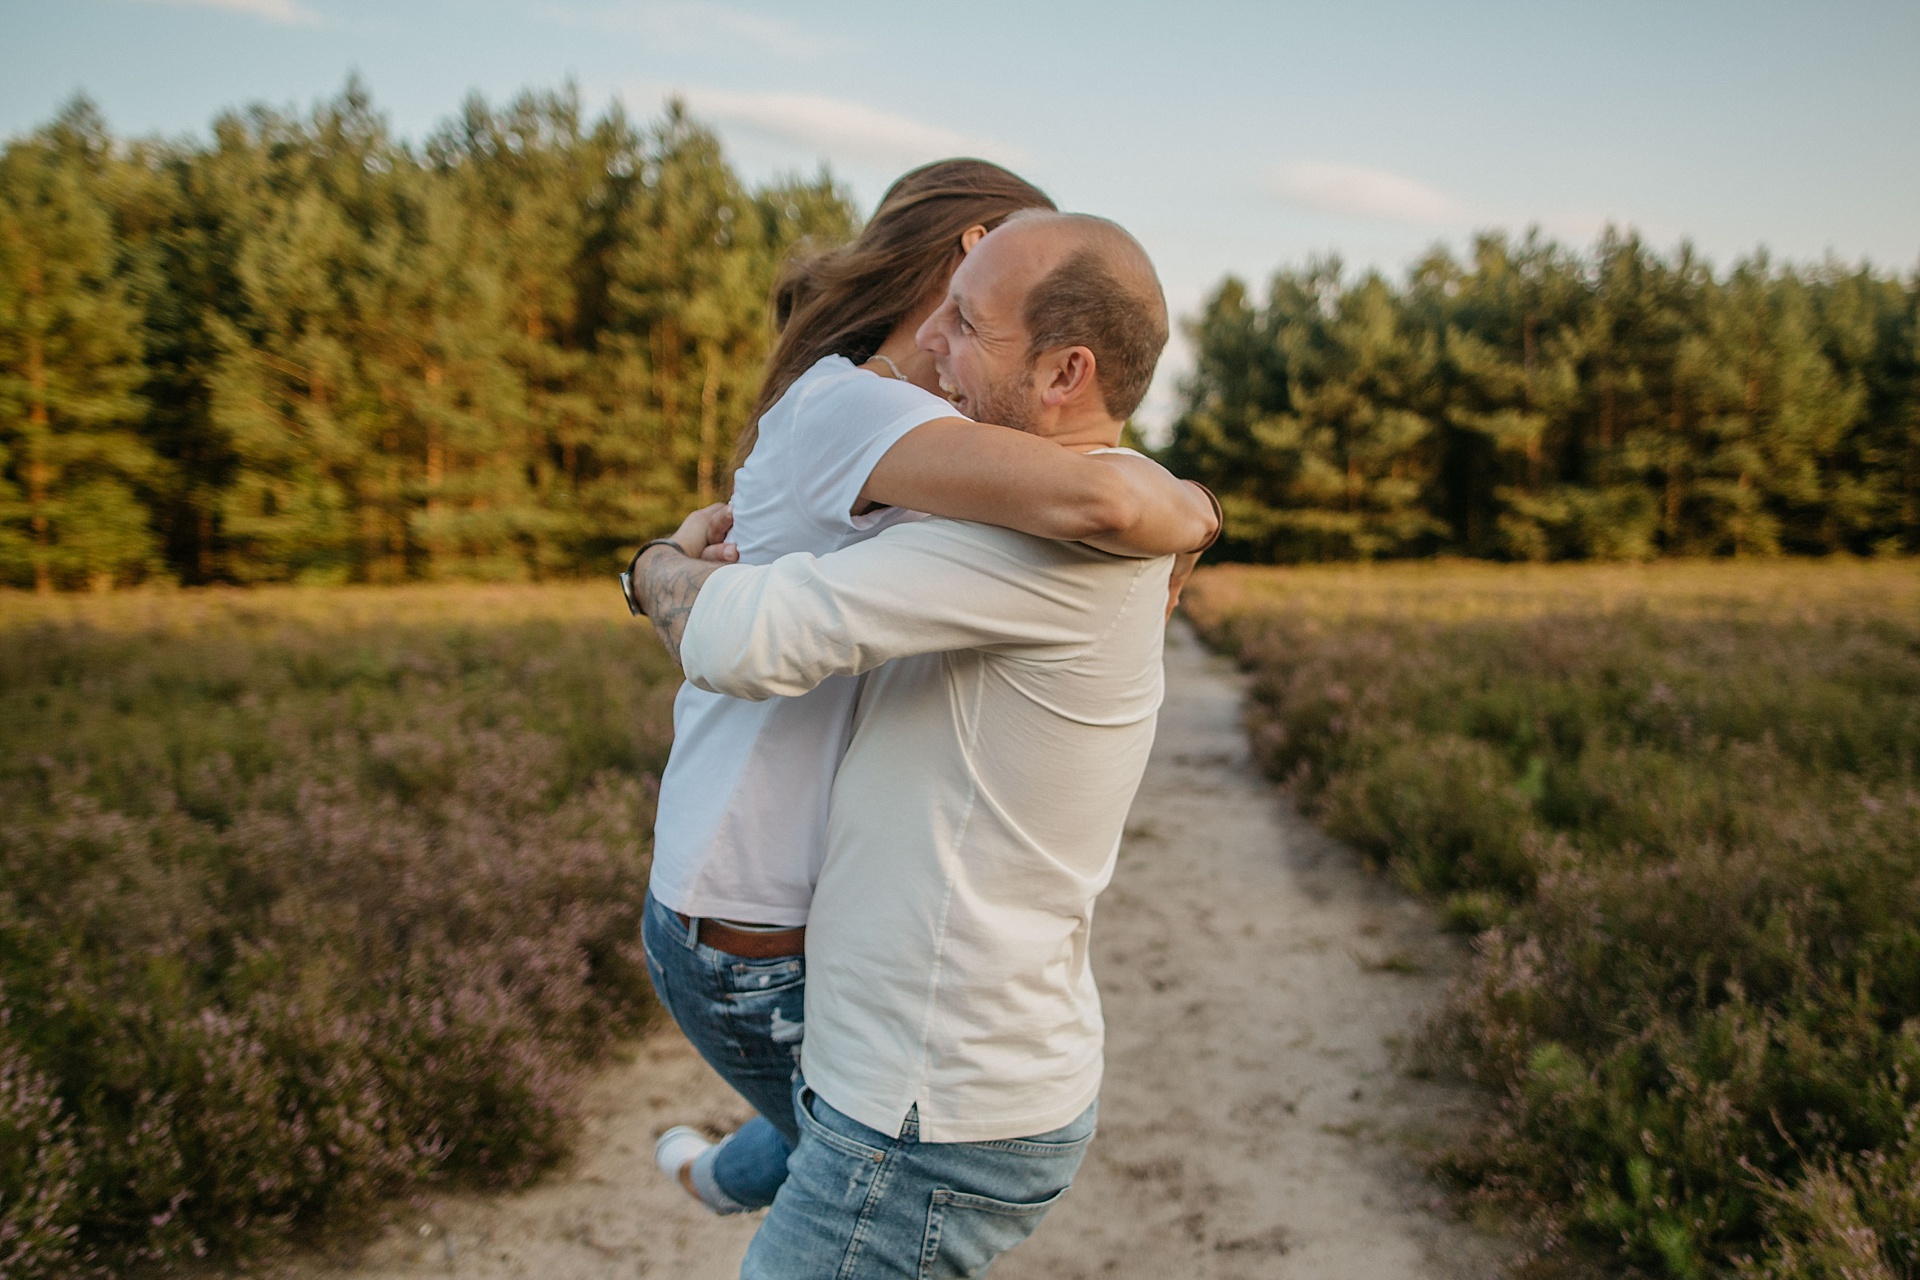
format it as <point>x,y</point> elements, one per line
<point>1534,402</point>
<point>302,349</point>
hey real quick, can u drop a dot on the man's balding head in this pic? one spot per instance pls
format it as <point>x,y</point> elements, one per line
<point>1098,291</point>
<point>1052,324</point>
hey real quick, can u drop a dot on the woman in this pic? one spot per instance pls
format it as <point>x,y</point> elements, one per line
<point>847,437</point>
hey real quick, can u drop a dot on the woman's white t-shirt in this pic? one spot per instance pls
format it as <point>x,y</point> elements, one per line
<point>742,826</point>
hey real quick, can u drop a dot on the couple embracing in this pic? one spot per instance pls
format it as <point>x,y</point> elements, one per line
<point>922,652</point>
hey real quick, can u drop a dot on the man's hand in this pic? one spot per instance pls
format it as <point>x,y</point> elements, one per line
<point>703,534</point>
<point>668,584</point>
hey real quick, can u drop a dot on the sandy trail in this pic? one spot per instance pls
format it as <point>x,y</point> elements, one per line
<point>1253,1121</point>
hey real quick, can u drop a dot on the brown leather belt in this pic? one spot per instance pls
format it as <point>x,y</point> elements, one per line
<point>748,944</point>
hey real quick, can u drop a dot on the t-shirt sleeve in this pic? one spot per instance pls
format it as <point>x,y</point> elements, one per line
<point>851,423</point>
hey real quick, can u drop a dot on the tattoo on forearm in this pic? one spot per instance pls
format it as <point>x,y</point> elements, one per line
<point>669,584</point>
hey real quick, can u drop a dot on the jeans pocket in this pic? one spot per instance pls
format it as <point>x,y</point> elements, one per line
<point>764,1005</point>
<point>966,1232</point>
<point>845,1144</point>
<point>748,978</point>
<point>1046,1148</point>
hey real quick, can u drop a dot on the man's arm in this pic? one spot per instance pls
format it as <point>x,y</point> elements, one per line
<point>779,630</point>
<point>667,583</point>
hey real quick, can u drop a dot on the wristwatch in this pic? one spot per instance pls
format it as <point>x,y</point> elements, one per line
<point>626,579</point>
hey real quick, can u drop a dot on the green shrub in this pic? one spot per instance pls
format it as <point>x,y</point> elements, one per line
<point>1684,821</point>
<point>307,899</point>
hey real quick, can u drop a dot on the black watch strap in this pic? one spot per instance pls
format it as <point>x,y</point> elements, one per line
<point>626,579</point>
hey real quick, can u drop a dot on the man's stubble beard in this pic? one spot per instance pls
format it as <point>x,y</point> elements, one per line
<point>1006,403</point>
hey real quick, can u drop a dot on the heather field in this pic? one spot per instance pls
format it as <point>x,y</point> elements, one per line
<point>308,898</point>
<point>1676,806</point>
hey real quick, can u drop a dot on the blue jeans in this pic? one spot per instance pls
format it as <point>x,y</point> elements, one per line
<point>859,1204</point>
<point>745,1017</point>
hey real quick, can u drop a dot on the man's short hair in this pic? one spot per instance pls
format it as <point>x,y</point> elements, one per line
<point>1103,296</point>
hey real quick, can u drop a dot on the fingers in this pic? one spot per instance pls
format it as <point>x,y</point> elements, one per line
<point>1183,566</point>
<point>704,528</point>
<point>715,520</point>
<point>722,553</point>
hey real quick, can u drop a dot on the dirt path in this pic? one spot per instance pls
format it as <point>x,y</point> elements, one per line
<point>1252,1122</point>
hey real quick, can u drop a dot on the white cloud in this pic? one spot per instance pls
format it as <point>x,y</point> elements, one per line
<point>693,22</point>
<point>1366,193</point>
<point>285,11</point>
<point>844,131</point>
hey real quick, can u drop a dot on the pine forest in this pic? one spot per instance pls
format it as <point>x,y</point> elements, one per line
<point>303,349</point>
<point>1535,403</point>
<point>308,351</point>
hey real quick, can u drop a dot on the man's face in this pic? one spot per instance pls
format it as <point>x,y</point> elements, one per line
<point>978,336</point>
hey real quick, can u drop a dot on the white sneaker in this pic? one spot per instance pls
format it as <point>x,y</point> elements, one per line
<point>683,1148</point>
<point>676,1148</point>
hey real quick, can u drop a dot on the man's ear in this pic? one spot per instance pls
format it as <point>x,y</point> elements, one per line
<point>1067,375</point>
<point>972,236</point>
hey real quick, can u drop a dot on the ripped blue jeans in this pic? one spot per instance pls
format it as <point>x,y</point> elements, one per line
<point>867,1205</point>
<point>745,1017</point>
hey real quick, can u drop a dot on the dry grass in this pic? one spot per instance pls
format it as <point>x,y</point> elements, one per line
<point>1462,590</point>
<point>166,611</point>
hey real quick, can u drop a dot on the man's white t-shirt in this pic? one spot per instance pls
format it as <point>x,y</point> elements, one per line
<point>1009,707</point>
<point>742,824</point>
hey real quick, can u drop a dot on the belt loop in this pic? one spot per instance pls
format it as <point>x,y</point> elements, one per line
<point>693,932</point>
<point>910,1127</point>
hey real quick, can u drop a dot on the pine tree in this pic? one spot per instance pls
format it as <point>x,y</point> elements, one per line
<point>1334,418</point>
<point>1230,437</point>
<point>70,360</point>
<point>172,270</point>
<point>678,280</point>
<point>1772,416</point>
<point>685,326</point>
<point>1898,450</point>
<point>509,356</point>
<point>306,498</point>
<point>1864,323</point>
<point>533,179</point>
<point>1362,376</point>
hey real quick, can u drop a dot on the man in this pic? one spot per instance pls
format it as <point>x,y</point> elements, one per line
<point>953,1048</point>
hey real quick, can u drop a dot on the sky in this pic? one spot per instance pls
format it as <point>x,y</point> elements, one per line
<point>1230,138</point>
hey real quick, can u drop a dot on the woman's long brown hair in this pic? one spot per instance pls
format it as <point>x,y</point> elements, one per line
<point>846,300</point>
